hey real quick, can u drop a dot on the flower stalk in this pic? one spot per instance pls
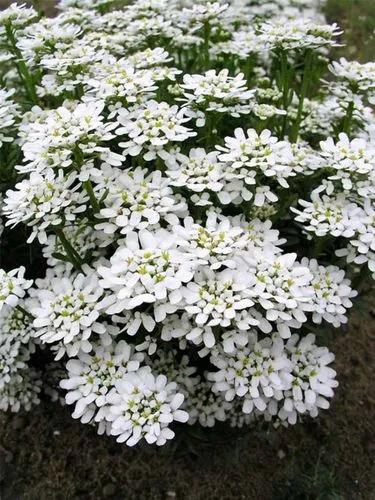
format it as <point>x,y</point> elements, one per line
<point>21,66</point>
<point>71,253</point>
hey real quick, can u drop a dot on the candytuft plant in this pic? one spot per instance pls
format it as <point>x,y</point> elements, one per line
<point>188,197</point>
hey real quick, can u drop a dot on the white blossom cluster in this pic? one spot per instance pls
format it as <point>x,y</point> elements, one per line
<point>20,384</point>
<point>190,187</point>
<point>353,78</point>
<point>9,113</point>
<point>282,380</point>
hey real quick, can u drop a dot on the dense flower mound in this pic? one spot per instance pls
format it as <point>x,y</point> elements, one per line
<point>187,203</point>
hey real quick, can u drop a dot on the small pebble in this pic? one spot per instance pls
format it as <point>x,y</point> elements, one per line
<point>109,490</point>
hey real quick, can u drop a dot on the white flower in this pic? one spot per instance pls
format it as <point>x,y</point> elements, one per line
<point>199,172</point>
<point>304,160</point>
<point>249,149</point>
<point>244,43</point>
<point>131,321</point>
<point>61,134</point>
<point>149,345</point>
<point>92,376</point>
<point>15,344</point>
<point>322,116</point>
<point>13,286</point>
<point>353,163</point>
<point>254,373</point>
<point>217,92</point>
<point>44,36</point>
<point>249,156</point>
<point>218,298</point>
<point>149,58</point>
<point>206,407</point>
<point>364,240</point>
<point>68,68</point>
<point>67,311</point>
<point>116,80</point>
<point>265,111</point>
<point>143,406</point>
<point>313,381</point>
<point>9,112</point>
<point>298,34</point>
<point>162,223</point>
<point>135,200</point>
<point>354,77</point>
<point>180,326</point>
<point>44,200</point>
<point>210,12</point>
<point>22,392</point>
<point>361,249</point>
<point>332,293</point>
<point>178,369</point>
<point>264,195</point>
<point>282,288</point>
<point>148,268</point>
<point>152,128</point>
<point>77,12</point>
<point>334,215</point>
<point>259,234</point>
<point>218,241</point>
<point>223,239</point>
<point>18,16</point>
<point>352,255</point>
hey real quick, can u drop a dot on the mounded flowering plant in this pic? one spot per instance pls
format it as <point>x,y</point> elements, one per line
<point>187,204</point>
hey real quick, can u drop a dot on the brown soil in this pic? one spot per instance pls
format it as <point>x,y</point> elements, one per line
<point>47,455</point>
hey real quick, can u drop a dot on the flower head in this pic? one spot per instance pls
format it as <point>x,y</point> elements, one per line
<point>92,376</point>
<point>67,311</point>
<point>13,286</point>
<point>151,129</point>
<point>142,406</point>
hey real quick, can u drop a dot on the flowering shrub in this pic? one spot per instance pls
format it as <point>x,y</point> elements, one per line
<point>188,196</point>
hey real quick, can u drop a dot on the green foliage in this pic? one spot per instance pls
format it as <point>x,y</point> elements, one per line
<point>357,18</point>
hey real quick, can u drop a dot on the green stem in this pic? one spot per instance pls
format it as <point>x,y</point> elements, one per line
<point>79,159</point>
<point>348,118</point>
<point>159,164</point>
<point>90,191</point>
<point>249,65</point>
<point>303,94</point>
<point>206,45</point>
<point>319,246</point>
<point>71,253</point>
<point>208,129</point>
<point>284,87</point>
<point>24,312</point>
<point>22,68</point>
<point>263,124</point>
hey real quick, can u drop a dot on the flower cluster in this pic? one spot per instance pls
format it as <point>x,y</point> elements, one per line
<point>9,113</point>
<point>281,380</point>
<point>20,384</point>
<point>190,188</point>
